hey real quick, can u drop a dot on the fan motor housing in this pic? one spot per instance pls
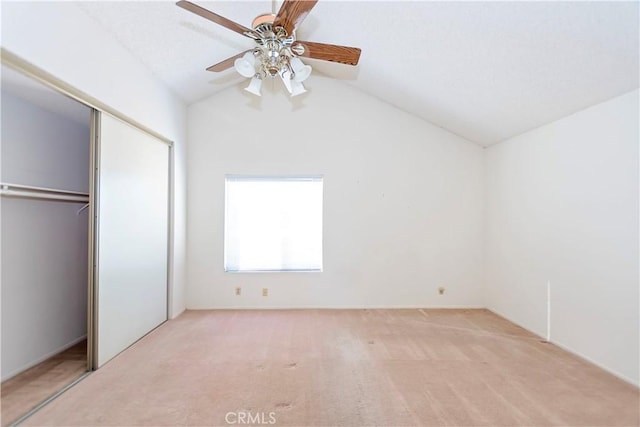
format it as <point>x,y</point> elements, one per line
<point>265,18</point>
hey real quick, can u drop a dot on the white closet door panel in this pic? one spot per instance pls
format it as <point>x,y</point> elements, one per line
<point>132,235</point>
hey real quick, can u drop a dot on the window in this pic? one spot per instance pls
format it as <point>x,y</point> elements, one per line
<point>273,223</point>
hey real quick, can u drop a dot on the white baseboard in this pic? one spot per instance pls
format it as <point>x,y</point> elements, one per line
<point>593,362</point>
<point>570,350</point>
<point>508,319</point>
<point>332,307</point>
<point>177,315</point>
<point>42,358</point>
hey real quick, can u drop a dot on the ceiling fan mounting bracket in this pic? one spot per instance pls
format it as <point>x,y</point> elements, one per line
<point>268,19</point>
<point>265,18</point>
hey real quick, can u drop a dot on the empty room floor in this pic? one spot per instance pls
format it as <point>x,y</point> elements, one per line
<point>26,390</point>
<point>345,368</point>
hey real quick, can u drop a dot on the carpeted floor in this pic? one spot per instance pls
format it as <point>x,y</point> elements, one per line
<point>345,368</point>
<point>26,390</point>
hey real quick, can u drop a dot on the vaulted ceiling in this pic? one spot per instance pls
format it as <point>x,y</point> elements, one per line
<point>483,70</point>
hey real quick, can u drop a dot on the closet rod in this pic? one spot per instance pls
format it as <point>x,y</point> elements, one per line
<point>31,192</point>
<point>8,186</point>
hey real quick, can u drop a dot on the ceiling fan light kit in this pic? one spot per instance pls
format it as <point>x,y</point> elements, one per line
<point>277,51</point>
<point>254,86</point>
<point>246,66</point>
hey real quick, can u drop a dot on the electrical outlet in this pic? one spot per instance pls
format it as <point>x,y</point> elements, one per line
<point>265,292</point>
<point>441,290</point>
<point>238,291</point>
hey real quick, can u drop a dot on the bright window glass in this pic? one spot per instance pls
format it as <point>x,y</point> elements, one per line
<point>273,223</point>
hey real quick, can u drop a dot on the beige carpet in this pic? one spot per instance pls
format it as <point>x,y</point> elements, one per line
<point>26,390</point>
<point>345,368</point>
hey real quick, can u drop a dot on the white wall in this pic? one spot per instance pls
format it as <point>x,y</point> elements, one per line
<point>64,41</point>
<point>44,243</point>
<point>402,199</point>
<point>562,207</point>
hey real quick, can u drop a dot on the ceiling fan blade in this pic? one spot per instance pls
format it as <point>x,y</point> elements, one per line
<point>292,13</point>
<point>327,52</point>
<point>227,63</point>
<point>221,20</point>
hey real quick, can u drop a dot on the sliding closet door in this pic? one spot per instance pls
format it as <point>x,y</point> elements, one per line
<point>132,235</point>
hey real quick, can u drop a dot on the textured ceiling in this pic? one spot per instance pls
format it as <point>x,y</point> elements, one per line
<point>483,70</point>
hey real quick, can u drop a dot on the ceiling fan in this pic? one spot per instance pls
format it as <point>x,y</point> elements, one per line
<point>277,51</point>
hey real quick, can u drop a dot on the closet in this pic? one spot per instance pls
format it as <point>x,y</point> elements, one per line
<point>85,223</point>
<point>45,186</point>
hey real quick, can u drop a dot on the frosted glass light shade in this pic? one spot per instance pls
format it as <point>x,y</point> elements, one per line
<point>245,66</point>
<point>302,71</point>
<point>297,88</point>
<point>286,79</point>
<point>254,86</point>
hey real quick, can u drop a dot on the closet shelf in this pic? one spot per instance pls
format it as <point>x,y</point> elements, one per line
<point>31,192</point>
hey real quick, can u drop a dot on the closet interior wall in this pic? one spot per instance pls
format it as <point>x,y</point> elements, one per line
<point>44,243</point>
